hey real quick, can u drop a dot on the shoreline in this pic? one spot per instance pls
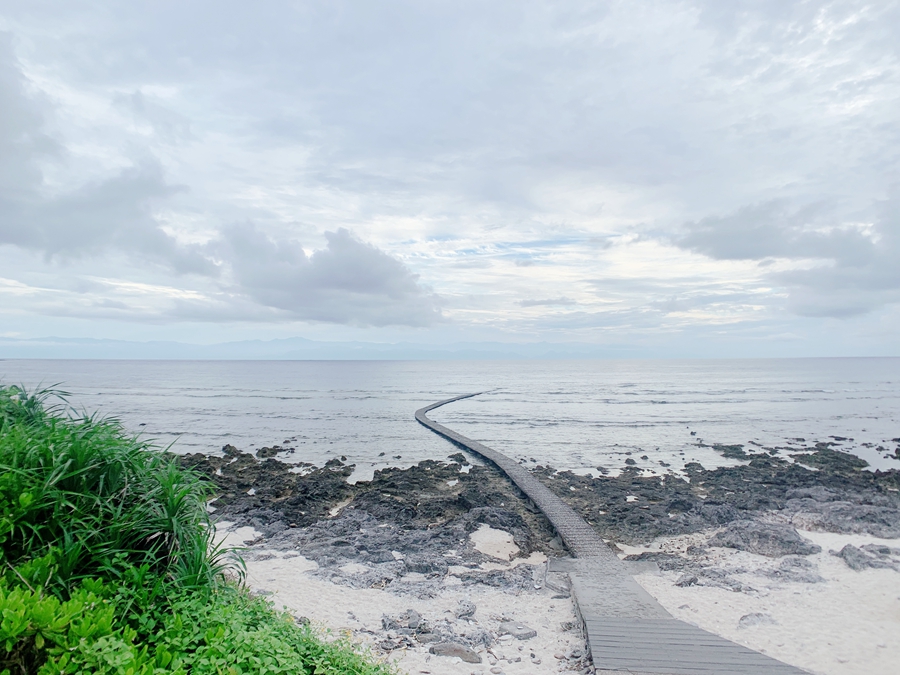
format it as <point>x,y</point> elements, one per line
<point>434,536</point>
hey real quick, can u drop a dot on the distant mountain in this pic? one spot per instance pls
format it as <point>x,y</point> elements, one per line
<point>293,349</point>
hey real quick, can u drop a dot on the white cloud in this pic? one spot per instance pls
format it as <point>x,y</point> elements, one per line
<point>654,164</point>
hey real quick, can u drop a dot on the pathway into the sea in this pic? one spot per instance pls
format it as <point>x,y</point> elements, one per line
<point>626,629</point>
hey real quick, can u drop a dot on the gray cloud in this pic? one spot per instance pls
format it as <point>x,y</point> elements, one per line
<point>771,230</point>
<point>23,142</point>
<point>347,282</point>
<point>112,213</point>
<point>858,269</point>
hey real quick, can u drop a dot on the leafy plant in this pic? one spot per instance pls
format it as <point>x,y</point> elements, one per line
<point>107,564</point>
<point>98,498</point>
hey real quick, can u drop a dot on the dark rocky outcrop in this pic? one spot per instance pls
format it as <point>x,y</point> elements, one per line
<point>819,488</point>
<point>769,539</point>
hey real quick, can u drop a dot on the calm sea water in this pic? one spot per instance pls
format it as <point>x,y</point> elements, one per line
<point>569,414</point>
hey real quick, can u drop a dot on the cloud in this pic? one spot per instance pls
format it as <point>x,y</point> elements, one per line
<point>169,126</point>
<point>348,282</point>
<point>115,212</point>
<point>855,265</point>
<point>550,302</point>
<point>773,230</point>
<point>757,137</point>
<point>23,142</point>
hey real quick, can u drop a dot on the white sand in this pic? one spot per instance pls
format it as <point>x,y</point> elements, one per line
<point>848,625</point>
<point>495,543</point>
<point>356,613</point>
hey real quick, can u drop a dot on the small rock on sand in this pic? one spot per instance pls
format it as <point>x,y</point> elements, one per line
<point>858,559</point>
<point>517,630</point>
<point>455,649</point>
<point>796,569</point>
<point>413,618</point>
<point>756,619</point>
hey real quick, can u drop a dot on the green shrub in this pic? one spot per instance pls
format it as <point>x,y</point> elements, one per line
<point>100,499</point>
<point>107,565</point>
<point>223,632</point>
<point>39,633</point>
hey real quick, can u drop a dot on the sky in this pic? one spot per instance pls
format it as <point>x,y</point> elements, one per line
<point>697,178</point>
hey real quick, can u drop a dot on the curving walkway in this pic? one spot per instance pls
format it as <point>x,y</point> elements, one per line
<point>626,629</point>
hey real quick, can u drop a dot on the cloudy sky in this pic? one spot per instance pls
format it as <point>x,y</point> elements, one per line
<point>698,177</point>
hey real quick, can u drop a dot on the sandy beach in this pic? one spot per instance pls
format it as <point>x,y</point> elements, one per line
<point>843,625</point>
<point>290,581</point>
<point>441,567</point>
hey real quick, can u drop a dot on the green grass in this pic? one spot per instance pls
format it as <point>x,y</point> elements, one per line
<point>101,499</point>
<point>107,563</point>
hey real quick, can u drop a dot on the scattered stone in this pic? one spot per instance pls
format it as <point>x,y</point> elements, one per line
<point>880,550</point>
<point>479,636</point>
<point>455,649</point>
<point>413,618</point>
<point>756,619</point>
<point>858,559</point>
<point>666,562</point>
<point>425,638</point>
<point>265,453</point>
<point>768,539</point>
<point>517,630</point>
<point>796,569</point>
<point>423,511</point>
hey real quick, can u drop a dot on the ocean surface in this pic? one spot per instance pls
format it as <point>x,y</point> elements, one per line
<point>577,415</point>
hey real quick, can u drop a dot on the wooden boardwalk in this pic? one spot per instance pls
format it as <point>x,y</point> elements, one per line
<point>626,629</point>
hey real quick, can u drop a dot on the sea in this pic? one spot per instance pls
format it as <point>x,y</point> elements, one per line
<point>583,416</point>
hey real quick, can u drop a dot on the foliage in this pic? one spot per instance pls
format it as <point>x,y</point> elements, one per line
<point>228,632</point>
<point>97,498</point>
<point>107,564</point>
